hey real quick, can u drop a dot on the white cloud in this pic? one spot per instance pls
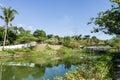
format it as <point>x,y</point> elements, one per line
<point>30,28</point>
<point>20,25</point>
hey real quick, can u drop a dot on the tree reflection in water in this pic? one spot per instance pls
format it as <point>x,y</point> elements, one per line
<point>39,72</point>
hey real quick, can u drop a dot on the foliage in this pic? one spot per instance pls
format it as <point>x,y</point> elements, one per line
<point>64,50</point>
<point>25,38</point>
<point>23,50</point>
<point>21,30</point>
<point>116,1</point>
<point>67,40</point>
<point>74,44</point>
<point>8,16</point>
<point>49,36</point>
<point>115,42</point>
<point>48,51</point>
<point>17,51</point>
<point>12,36</point>
<point>108,21</point>
<point>92,70</point>
<point>9,51</point>
<point>40,34</point>
<point>47,47</point>
<point>94,40</point>
<point>53,41</point>
<point>77,37</point>
<point>1,35</point>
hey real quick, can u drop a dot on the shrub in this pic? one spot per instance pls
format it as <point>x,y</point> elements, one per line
<point>23,50</point>
<point>93,70</point>
<point>48,48</point>
<point>10,51</point>
<point>64,50</point>
<point>74,45</point>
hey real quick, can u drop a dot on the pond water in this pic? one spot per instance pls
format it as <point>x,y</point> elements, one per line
<point>31,71</point>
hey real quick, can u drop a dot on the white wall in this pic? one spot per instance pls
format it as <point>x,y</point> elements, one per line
<point>18,46</point>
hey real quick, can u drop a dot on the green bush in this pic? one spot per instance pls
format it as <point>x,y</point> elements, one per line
<point>9,51</point>
<point>74,45</point>
<point>93,70</point>
<point>24,50</point>
<point>64,50</point>
<point>47,47</point>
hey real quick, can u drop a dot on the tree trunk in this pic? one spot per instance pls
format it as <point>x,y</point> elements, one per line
<point>5,35</point>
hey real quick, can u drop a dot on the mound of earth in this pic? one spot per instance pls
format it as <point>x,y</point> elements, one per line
<point>42,46</point>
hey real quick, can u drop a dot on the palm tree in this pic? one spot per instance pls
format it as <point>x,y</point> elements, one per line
<point>8,16</point>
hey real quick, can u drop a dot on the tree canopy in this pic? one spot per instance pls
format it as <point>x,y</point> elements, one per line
<point>8,16</point>
<point>108,21</point>
<point>116,1</point>
<point>40,34</point>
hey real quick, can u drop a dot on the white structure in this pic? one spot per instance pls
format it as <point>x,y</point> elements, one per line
<point>18,46</point>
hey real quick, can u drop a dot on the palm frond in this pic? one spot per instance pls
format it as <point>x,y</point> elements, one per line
<point>9,13</point>
<point>12,18</point>
<point>14,11</point>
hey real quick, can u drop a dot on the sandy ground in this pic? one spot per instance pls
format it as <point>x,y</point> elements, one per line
<point>42,46</point>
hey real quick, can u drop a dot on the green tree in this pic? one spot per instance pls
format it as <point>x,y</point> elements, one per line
<point>67,40</point>
<point>115,42</point>
<point>49,36</point>
<point>87,39</point>
<point>12,36</point>
<point>75,37</point>
<point>21,35</point>
<point>25,38</point>
<point>79,36</point>
<point>1,35</point>
<point>40,34</point>
<point>94,40</point>
<point>116,1</point>
<point>108,21</point>
<point>8,16</point>
<point>15,29</point>
<point>21,30</point>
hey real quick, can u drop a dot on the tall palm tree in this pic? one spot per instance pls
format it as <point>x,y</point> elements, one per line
<point>8,16</point>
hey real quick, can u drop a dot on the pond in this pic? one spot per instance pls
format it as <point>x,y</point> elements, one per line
<point>31,71</point>
<point>29,68</point>
<point>37,72</point>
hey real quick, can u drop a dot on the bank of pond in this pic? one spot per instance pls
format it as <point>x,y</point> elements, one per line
<point>62,64</point>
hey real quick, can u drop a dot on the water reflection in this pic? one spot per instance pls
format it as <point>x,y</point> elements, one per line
<point>26,69</point>
<point>20,72</point>
<point>38,72</point>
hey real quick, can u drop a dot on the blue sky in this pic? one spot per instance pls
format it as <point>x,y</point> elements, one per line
<point>58,17</point>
